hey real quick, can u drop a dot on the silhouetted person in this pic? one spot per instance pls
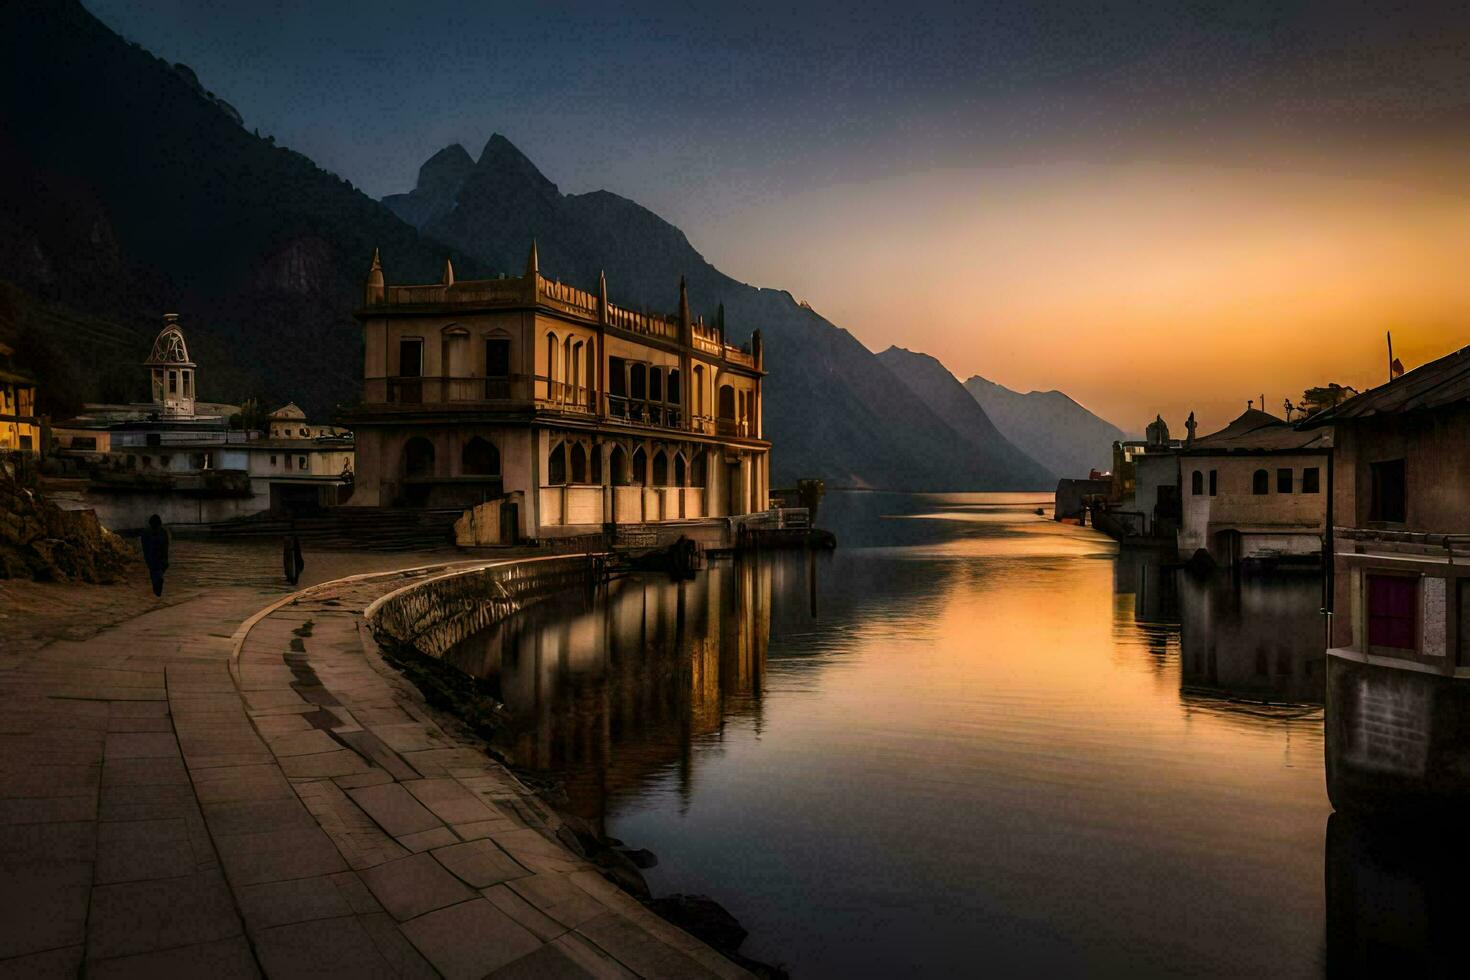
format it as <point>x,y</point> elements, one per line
<point>155,552</point>
<point>291,560</point>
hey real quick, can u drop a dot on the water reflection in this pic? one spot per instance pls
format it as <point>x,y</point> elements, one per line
<point>957,743</point>
<point>1395,899</point>
<point>609,689</point>
<point>1256,639</point>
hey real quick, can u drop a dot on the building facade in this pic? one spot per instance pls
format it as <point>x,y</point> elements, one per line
<point>180,457</point>
<point>20,428</point>
<point>1256,489</point>
<point>1398,719</point>
<point>572,413</point>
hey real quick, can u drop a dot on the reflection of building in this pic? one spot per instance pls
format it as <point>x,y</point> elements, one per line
<point>178,457</point>
<point>1258,639</point>
<point>609,693</point>
<point>1255,489</point>
<point>20,429</point>
<point>576,412</point>
<point>1395,900</point>
<point>1398,720</point>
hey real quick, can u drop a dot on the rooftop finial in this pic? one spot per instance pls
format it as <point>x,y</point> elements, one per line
<point>448,273</point>
<point>533,261</point>
<point>683,300</point>
<point>373,288</point>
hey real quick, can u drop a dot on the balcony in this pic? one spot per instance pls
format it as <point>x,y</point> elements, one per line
<point>523,391</point>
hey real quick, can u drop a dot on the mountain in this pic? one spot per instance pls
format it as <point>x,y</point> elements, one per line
<point>1056,431</point>
<point>832,408</point>
<point>128,190</point>
<point>933,384</point>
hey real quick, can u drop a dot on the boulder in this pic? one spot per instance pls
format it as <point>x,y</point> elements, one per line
<point>39,540</point>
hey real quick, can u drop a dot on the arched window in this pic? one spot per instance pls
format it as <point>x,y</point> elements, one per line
<point>551,358</point>
<point>678,469</point>
<point>1260,482</point>
<point>596,464</point>
<point>660,469</point>
<point>480,458</point>
<point>727,402</point>
<point>1197,483</point>
<point>418,457</point>
<point>556,466</point>
<point>640,466</point>
<point>697,469</point>
<point>617,462</point>
<point>579,463</point>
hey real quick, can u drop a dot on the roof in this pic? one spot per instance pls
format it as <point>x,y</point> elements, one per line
<point>1258,431</point>
<point>1438,384</point>
<point>290,410</point>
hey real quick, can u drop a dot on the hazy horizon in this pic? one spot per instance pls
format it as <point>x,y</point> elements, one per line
<point>1152,211</point>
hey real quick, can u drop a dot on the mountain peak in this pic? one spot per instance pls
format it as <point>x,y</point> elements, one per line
<point>446,169</point>
<point>502,159</point>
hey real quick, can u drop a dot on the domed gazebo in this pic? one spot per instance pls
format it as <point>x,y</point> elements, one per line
<point>173,372</point>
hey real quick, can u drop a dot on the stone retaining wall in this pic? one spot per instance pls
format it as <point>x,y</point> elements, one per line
<point>433,615</point>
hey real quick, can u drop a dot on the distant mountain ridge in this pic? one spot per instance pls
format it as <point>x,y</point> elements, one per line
<point>1058,432</point>
<point>832,408</point>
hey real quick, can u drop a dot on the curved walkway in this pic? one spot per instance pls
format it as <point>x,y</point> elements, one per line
<point>185,795</point>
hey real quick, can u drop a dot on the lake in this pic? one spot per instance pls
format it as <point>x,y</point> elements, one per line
<point>969,739</point>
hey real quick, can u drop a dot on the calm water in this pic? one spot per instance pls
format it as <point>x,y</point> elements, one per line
<point>970,739</point>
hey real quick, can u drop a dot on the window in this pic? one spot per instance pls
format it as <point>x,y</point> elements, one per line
<point>1260,482</point>
<point>1393,603</point>
<point>479,458</point>
<point>579,463</point>
<point>1196,483</point>
<point>497,357</point>
<point>1311,480</point>
<point>1284,480</point>
<point>660,469</point>
<point>655,384</point>
<point>556,467</point>
<point>617,462</point>
<point>411,357</point>
<point>273,461</point>
<point>301,463</point>
<point>1214,481</point>
<point>173,382</point>
<point>678,469</point>
<point>1388,492</point>
<point>640,466</point>
<point>674,386</point>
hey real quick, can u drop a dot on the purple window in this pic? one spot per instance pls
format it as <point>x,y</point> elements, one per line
<point>1393,604</point>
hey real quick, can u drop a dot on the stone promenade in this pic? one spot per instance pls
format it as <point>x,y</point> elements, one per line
<point>237,785</point>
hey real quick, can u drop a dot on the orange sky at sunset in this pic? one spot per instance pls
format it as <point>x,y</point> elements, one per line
<point>1135,288</point>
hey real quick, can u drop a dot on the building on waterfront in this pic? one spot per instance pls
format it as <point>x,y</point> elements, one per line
<point>1143,501</point>
<point>565,412</point>
<point>180,457</point>
<point>20,427</point>
<point>1255,490</point>
<point>1399,660</point>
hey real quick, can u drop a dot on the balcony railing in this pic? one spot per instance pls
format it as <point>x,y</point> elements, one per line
<point>524,390</point>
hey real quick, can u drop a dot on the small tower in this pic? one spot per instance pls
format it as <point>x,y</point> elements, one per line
<point>533,261</point>
<point>172,371</point>
<point>1190,425</point>
<point>374,290</point>
<point>1157,432</point>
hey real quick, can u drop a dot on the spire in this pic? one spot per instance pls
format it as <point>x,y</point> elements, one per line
<point>448,273</point>
<point>374,290</point>
<point>683,301</point>
<point>602,295</point>
<point>533,261</point>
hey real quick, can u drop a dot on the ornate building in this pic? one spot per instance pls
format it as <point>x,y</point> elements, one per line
<point>20,429</point>
<point>574,413</point>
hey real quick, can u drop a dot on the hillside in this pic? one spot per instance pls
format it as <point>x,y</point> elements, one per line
<point>1056,431</point>
<point>127,190</point>
<point>832,408</point>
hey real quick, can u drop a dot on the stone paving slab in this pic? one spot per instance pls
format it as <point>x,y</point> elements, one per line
<point>180,797</point>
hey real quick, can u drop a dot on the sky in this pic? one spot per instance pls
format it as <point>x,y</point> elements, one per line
<point>1154,207</point>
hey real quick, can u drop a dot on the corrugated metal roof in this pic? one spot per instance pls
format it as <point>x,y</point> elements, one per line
<point>1439,383</point>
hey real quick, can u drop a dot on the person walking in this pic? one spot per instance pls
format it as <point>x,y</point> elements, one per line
<point>291,560</point>
<point>155,552</point>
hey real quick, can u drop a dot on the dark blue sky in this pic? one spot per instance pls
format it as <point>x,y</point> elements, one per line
<point>695,109</point>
